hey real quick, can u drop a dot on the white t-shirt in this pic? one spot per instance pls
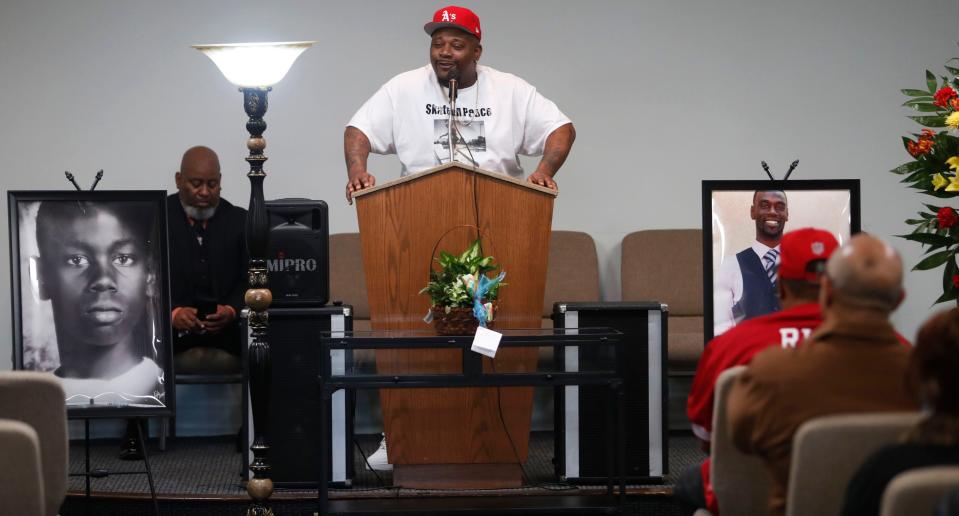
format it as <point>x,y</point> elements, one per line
<point>499,117</point>
<point>728,288</point>
<point>134,387</point>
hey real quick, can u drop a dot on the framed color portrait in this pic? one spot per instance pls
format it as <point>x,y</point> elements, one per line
<point>91,297</point>
<point>742,224</point>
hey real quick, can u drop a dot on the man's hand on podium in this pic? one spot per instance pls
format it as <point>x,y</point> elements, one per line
<point>542,179</point>
<point>357,183</point>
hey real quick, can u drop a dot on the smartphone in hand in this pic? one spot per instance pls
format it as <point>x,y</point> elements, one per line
<point>205,307</point>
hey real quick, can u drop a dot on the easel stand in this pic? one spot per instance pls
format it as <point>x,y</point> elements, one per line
<point>103,473</point>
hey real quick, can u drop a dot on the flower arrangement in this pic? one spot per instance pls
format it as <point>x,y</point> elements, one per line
<point>934,171</point>
<point>462,283</point>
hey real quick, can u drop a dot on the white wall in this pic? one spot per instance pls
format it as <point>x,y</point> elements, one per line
<point>663,95</point>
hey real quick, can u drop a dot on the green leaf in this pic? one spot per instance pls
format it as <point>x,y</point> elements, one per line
<point>934,260</point>
<point>947,273</point>
<point>934,209</point>
<point>929,239</point>
<point>915,176</point>
<point>915,93</point>
<point>924,107</point>
<point>950,295</point>
<point>913,222</point>
<point>931,82</point>
<point>941,194</point>
<point>930,121</point>
<point>912,166</point>
<point>917,100</point>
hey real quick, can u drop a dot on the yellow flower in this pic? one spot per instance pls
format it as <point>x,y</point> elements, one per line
<point>938,181</point>
<point>953,163</point>
<point>953,184</point>
<point>953,120</point>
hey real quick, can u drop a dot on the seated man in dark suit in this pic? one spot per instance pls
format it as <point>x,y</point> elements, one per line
<point>208,263</point>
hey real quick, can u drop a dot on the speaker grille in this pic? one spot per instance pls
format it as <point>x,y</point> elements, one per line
<point>294,424</point>
<point>594,401</point>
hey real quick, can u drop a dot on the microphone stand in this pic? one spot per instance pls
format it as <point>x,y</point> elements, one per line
<point>450,131</point>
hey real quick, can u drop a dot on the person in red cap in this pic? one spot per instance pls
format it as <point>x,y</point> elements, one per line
<point>803,258</point>
<point>498,116</point>
<point>853,362</point>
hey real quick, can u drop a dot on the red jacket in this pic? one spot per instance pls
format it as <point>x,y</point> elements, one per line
<point>737,346</point>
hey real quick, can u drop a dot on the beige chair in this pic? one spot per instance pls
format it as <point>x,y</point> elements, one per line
<point>21,476</point>
<point>666,265</point>
<point>828,450</point>
<point>918,491</point>
<point>572,273</point>
<point>740,481</point>
<point>36,400</point>
<point>347,279</point>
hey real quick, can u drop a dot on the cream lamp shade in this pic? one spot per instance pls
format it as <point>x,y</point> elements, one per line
<point>254,65</point>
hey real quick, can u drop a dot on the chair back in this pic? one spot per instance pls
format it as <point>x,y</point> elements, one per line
<point>740,481</point>
<point>918,491</point>
<point>37,399</point>
<point>572,273</point>
<point>666,265</point>
<point>21,478</point>
<point>828,450</point>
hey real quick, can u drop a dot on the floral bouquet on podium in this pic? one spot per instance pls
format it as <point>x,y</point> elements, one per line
<point>463,295</point>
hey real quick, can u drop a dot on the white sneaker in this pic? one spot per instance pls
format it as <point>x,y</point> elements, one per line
<point>378,461</point>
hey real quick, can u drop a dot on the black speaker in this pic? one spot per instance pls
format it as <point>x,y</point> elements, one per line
<point>298,261</point>
<point>580,418</point>
<point>294,424</point>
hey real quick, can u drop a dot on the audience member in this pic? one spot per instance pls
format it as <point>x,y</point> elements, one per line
<point>932,375</point>
<point>803,258</point>
<point>851,363</point>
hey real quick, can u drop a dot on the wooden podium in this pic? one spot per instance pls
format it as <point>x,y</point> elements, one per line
<point>454,438</point>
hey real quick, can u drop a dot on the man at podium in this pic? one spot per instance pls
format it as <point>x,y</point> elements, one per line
<point>497,116</point>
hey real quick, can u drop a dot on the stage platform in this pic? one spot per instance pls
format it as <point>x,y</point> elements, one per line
<point>201,476</point>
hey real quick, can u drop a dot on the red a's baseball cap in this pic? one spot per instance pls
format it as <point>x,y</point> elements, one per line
<point>456,17</point>
<point>799,248</point>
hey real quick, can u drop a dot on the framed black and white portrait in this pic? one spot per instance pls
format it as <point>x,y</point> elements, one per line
<point>743,222</point>
<point>90,297</point>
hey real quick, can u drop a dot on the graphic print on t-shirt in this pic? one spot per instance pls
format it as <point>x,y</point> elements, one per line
<point>469,141</point>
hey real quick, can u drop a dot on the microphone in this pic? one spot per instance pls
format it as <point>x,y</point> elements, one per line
<point>453,78</point>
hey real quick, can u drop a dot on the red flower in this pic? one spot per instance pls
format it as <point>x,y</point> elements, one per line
<point>947,217</point>
<point>955,280</point>
<point>923,145</point>
<point>955,104</point>
<point>941,98</point>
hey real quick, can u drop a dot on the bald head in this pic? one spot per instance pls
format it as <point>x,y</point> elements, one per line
<point>199,157</point>
<point>866,273</point>
<point>198,182</point>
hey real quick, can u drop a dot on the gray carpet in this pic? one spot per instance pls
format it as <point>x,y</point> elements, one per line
<point>211,467</point>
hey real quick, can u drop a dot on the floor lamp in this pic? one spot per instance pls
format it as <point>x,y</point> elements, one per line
<point>255,68</point>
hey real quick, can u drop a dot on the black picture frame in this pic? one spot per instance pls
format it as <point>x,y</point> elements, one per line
<point>712,187</point>
<point>109,285</point>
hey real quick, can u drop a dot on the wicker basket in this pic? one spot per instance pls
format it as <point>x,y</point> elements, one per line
<point>459,321</point>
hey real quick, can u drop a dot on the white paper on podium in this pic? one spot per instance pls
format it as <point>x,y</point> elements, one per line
<point>486,342</point>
